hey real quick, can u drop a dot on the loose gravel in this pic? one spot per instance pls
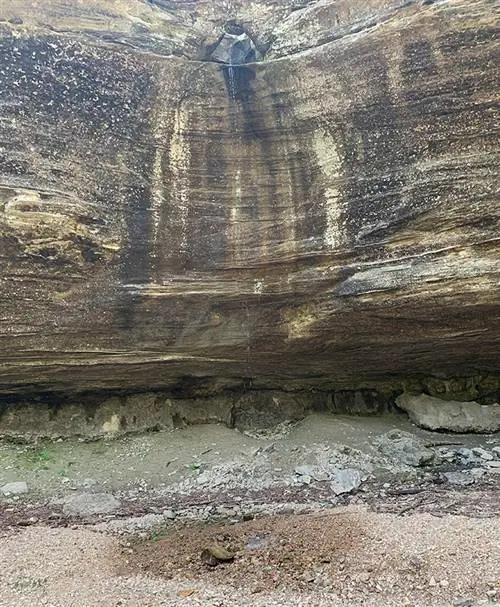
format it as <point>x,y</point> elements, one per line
<point>346,556</point>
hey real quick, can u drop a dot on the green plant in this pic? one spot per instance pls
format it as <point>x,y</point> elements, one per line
<point>42,455</point>
<point>153,536</point>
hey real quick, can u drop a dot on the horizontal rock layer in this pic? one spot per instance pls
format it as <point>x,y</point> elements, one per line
<point>328,215</point>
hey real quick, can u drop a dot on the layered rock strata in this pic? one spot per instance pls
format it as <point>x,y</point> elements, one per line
<point>326,216</point>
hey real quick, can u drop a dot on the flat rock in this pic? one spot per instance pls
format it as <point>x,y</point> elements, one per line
<point>461,479</point>
<point>482,453</point>
<point>88,504</point>
<point>454,416</point>
<point>14,488</point>
<point>493,464</point>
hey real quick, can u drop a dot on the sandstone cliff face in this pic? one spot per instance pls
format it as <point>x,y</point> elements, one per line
<point>328,215</point>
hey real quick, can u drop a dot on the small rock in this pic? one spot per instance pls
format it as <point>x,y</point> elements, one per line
<point>345,481</point>
<point>462,602</point>
<point>314,472</point>
<point>493,464</point>
<point>477,472</point>
<point>496,451</point>
<point>432,582</point>
<point>169,514</point>
<point>405,448</point>
<point>16,488</point>
<point>303,470</point>
<point>257,541</point>
<point>215,555</point>
<point>462,479</point>
<point>465,453</point>
<point>309,577</point>
<point>87,504</point>
<point>33,520</point>
<point>482,453</point>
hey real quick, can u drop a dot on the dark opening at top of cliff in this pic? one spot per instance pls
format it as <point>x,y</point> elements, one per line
<point>235,46</point>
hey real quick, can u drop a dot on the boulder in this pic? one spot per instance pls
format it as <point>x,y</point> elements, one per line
<point>454,416</point>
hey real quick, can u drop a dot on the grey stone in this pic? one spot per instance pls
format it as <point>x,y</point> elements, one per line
<point>482,453</point>
<point>169,514</point>
<point>461,479</point>
<point>436,414</point>
<point>315,472</point>
<point>405,448</point>
<point>15,488</point>
<point>464,453</point>
<point>345,481</point>
<point>87,504</point>
<point>493,464</point>
<point>477,472</point>
<point>496,451</point>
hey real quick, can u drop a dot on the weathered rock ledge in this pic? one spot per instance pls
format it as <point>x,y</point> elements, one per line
<point>325,218</point>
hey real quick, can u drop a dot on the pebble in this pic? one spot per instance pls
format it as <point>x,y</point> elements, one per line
<point>16,488</point>
<point>493,464</point>
<point>169,514</point>
<point>496,451</point>
<point>462,602</point>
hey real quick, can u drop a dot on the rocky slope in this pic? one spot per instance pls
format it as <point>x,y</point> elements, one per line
<point>325,216</point>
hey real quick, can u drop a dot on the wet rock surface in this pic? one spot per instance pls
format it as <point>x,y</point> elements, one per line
<point>325,216</point>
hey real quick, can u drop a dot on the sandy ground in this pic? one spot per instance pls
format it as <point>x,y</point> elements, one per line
<point>346,556</point>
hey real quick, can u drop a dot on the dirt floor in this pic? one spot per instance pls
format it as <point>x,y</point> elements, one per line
<point>137,522</point>
<point>345,556</point>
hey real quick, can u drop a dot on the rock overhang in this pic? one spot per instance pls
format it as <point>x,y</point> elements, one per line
<point>330,216</point>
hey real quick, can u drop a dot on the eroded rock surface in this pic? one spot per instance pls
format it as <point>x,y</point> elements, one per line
<point>324,216</point>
